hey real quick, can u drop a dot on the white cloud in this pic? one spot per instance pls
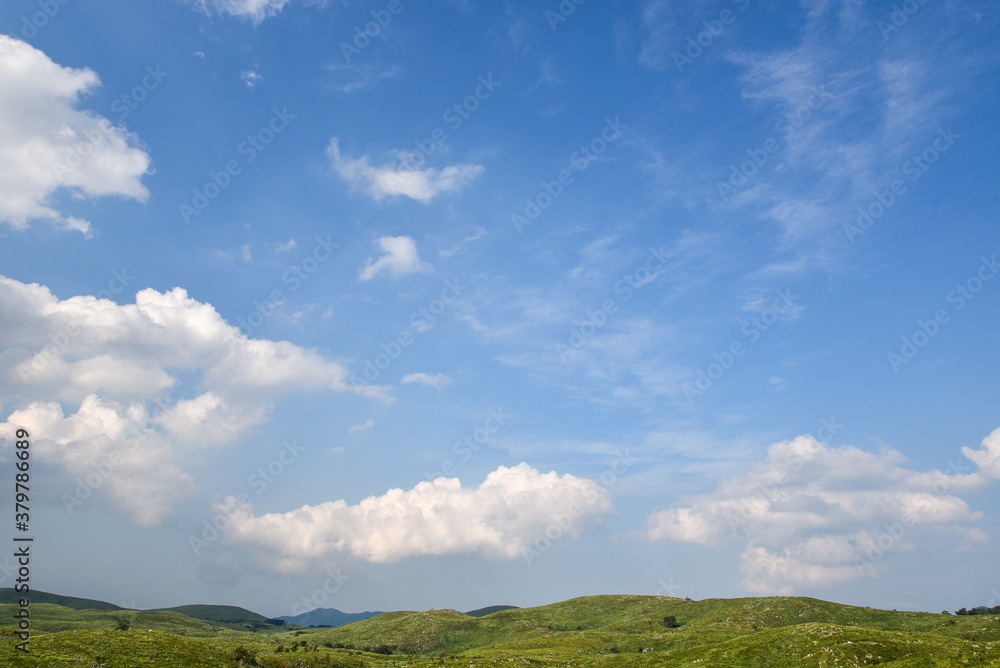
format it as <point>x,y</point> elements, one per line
<point>287,246</point>
<point>437,381</point>
<point>250,78</point>
<point>254,10</point>
<point>46,143</point>
<point>391,181</point>
<point>361,428</point>
<point>500,519</point>
<point>106,450</point>
<point>95,380</point>
<point>987,458</point>
<point>400,259</point>
<point>812,515</point>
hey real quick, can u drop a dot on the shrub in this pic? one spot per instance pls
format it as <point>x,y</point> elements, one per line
<point>245,657</point>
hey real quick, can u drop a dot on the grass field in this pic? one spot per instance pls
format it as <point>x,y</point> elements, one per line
<point>592,631</point>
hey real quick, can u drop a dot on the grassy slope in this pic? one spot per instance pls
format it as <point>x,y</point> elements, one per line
<point>49,618</point>
<point>613,631</point>
<point>622,625</point>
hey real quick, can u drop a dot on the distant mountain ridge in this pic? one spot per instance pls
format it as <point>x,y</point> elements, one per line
<point>328,617</point>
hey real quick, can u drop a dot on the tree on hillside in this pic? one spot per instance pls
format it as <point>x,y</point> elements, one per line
<point>124,625</point>
<point>670,621</point>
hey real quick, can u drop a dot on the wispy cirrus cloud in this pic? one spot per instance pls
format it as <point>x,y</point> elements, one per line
<point>438,381</point>
<point>253,10</point>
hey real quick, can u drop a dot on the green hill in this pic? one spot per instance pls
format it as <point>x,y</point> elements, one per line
<point>227,615</point>
<point>8,595</point>
<point>482,612</point>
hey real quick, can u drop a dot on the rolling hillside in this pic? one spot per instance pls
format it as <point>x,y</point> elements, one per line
<point>583,632</point>
<point>618,625</point>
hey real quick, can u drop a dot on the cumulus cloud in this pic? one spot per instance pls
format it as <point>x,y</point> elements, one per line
<point>812,515</point>
<point>437,381</point>
<point>95,380</point>
<point>422,185</point>
<point>500,519</point>
<point>987,458</point>
<point>400,259</point>
<point>46,143</point>
<point>253,10</point>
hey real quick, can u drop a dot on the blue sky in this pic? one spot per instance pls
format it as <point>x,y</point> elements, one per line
<point>449,304</point>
